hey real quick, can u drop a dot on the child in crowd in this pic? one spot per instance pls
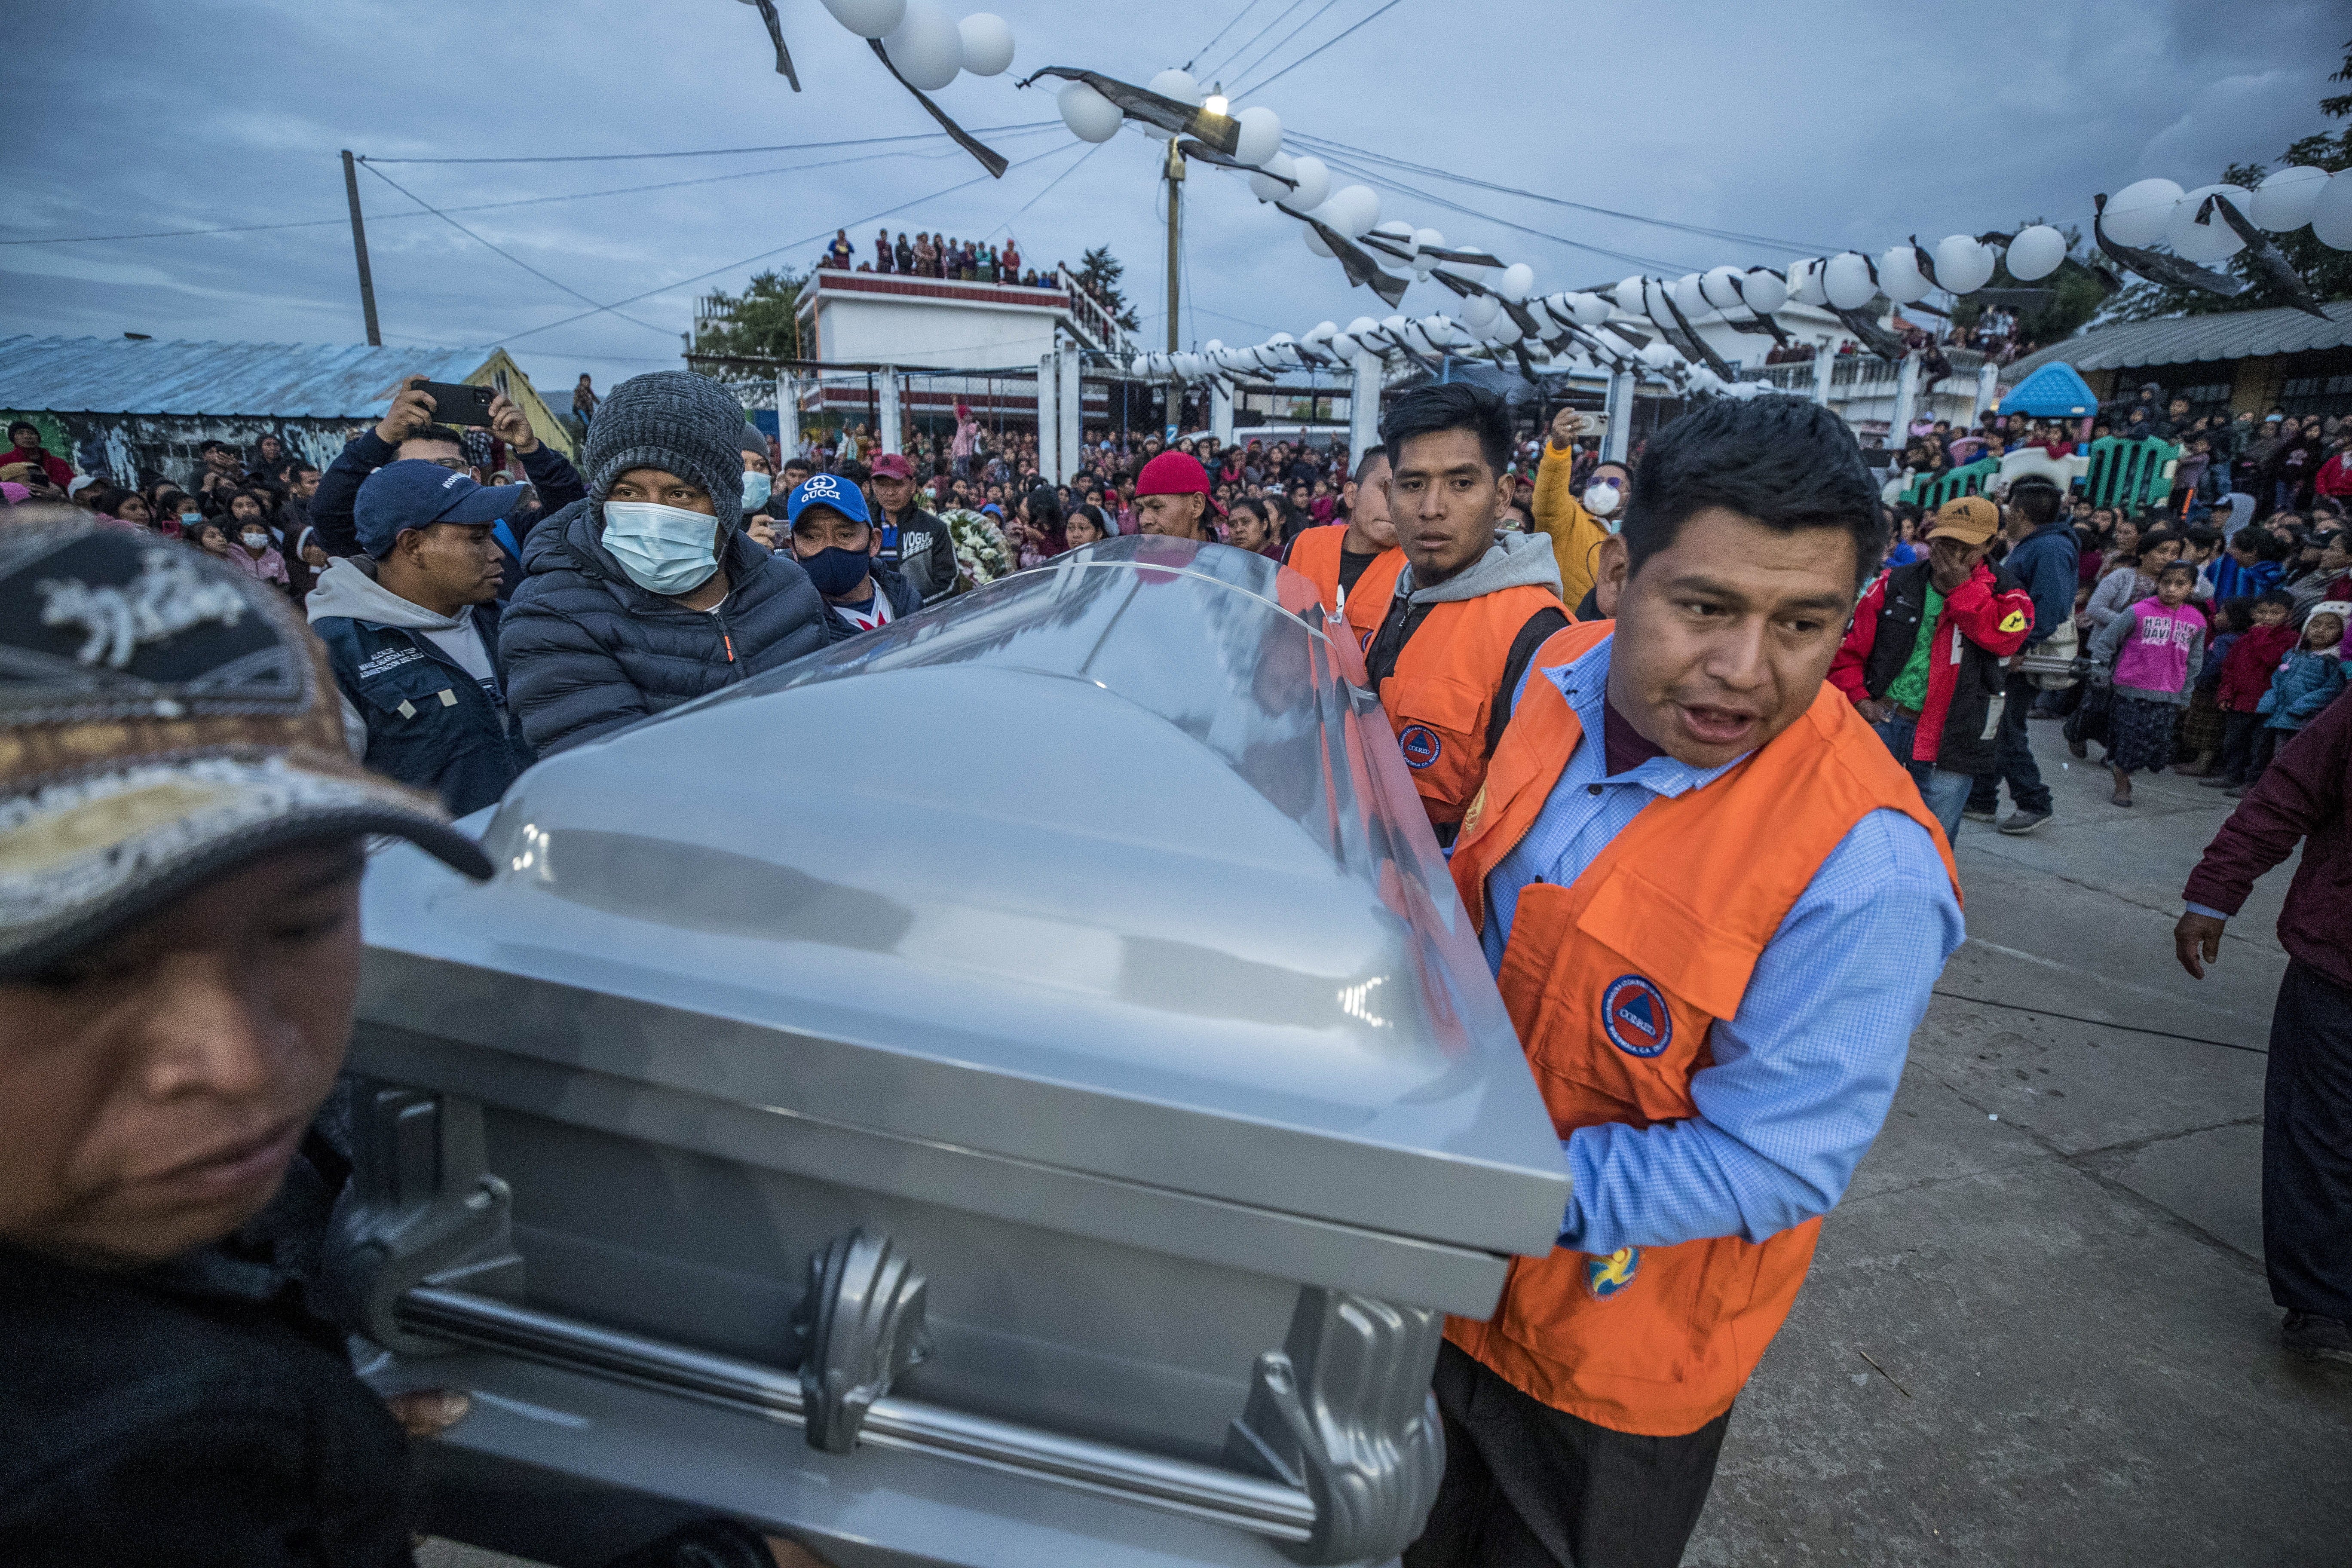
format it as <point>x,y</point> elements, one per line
<point>2306,681</point>
<point>255,554</point>
<point>2155,648</point>
<point>2202,728</point>
<point>2246,673</point>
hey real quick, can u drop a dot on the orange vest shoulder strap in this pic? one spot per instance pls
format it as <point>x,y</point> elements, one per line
<point>1369,600</point>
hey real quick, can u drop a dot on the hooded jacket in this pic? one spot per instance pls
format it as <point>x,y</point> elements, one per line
<point>412,708</point>
<point>1448,686</point>
<point>1576,534</point>
<point>1980,623</point>
<point>587,651</point>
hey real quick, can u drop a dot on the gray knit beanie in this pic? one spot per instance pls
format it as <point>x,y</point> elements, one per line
<point>677,421</point>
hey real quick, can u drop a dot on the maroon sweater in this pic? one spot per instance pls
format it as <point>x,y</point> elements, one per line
<point>2303,795</point>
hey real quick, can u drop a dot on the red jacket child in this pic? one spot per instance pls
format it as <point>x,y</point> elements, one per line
<point>2253,659</point>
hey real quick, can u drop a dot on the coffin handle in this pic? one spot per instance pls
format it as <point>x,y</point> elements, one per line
<point>860,1327</point>
<point>1343,1410</point>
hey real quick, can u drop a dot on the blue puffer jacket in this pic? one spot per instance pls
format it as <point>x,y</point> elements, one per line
<point>2304,684</point>
<point>587,651</point>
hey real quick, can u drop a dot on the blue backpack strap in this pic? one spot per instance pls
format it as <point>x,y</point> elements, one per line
<point>506,537</point>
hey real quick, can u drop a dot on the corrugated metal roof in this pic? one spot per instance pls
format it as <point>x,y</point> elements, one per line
<point>2187,340</point>
<point>283,381</point>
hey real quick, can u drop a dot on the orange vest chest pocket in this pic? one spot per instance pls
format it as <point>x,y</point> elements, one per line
<point>1441,727</point>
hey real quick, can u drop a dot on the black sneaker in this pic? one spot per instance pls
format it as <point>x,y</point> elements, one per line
<point>2321,1339</point>
<point>2024,821</point>
<point>1981,812</point>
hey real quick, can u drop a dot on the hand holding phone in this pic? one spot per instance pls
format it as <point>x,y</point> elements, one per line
<point>457,405</point>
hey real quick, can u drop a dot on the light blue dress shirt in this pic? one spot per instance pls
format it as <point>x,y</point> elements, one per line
<point>1804,1073</point>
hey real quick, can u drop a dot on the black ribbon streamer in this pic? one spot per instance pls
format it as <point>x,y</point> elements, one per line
<point>776,34</point>
<point>1222,132</point>
<point>990,158</point>
<point>2267,259</point>
<point>2156,266</point>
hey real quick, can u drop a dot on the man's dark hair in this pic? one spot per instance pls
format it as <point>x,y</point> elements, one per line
<point>1452,405</point>
<point>201,447</point>
<point>2203,538</point>
<point>440,433</point>
<point>850,468</point>
<point>1785,462</point>
<point>2278,596</point>
<point>2155,536</point>
<point>2262,545</point>
<point>2036,500</point>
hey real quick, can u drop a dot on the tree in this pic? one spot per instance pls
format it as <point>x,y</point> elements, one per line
<point>1100,271</point>
<point>2326,273</point>
<point>759,323</point>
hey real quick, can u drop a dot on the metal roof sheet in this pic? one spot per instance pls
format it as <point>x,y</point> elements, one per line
<point>2186,339</point>
<point>283,381</point>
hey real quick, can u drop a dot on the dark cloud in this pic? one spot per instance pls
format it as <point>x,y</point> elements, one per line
<point>1823,123</point>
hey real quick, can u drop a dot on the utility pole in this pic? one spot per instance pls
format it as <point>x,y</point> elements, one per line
<point>359,247</point>
<point>1175,218</point>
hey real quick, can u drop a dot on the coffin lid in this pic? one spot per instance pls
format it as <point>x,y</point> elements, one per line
<point>1108,866</point>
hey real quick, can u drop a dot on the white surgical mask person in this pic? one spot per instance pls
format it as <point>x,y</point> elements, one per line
<point>665,550</point>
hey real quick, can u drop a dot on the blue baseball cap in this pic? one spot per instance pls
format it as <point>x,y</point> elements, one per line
<point>414,493</point>
<point>826,490</point>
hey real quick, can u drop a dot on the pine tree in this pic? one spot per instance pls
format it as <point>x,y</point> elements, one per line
<point>2328,273</point>
<point>1100,271</point>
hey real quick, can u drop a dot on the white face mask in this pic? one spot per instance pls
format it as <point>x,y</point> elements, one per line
<point>255,541</point>
<point>1603,498</point>
<point>665,550</point>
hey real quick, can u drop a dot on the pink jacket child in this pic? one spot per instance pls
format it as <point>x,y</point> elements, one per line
<point>2155,657</point>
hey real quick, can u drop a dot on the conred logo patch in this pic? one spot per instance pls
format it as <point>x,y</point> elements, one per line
<point>1633,1013</point>
<point>1605,1277</point>
<point>1420,745</point>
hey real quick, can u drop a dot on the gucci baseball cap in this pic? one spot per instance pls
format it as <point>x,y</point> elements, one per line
<point>164,717</point>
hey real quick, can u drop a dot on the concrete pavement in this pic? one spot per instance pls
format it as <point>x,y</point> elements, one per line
<point>2037,1330</point>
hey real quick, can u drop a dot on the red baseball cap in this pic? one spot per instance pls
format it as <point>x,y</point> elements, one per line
<point>892,466</point>
<point>1176,474</point>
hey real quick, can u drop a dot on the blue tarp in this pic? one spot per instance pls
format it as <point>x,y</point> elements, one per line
<point>2054,391</point>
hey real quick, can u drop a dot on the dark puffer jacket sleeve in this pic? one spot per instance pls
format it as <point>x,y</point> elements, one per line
<point>563,685</point>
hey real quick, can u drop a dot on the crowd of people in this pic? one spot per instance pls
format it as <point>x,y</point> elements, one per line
<point>1607,682</point>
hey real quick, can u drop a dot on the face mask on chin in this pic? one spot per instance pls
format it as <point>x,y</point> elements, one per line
<point>665,550</point>
<point>757,489</point>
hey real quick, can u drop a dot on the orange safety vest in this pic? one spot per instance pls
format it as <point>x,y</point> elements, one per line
<point>1613,983</point>
<point>1442,694</point>
<point>1316,554</point>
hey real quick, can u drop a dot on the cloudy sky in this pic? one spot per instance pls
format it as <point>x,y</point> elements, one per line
<point>1808,123</point>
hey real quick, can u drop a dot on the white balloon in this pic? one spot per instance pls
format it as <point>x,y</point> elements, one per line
<point>1805,284</point>
<point>1213,346</point>
<point>1765,292</point>
<point>868,18</point>
<point>1899,275</point>
<point>1362,327</point>
<point>1479,310</point>
<point>1314,177</point>
<point>1324,331</point>
<point>1428,239</point>
<point>2331,215</point>
<point>2212,240</point>
<point>1518,278</point>
<point>1140,364</point>
<point>1268,189</point>
<point>1963,265</point>
<point>2138,213</point>
<point>1351,209</point>
<point>2036,253</point>
<point>1846,281</point>
<point>1090,116</point>
<point>1315,241</point>
<point>1590,309</point>
<point>1177,83</point>
<point>1628,295</point>
<point>987,43</point>
<point>1280,340</point>
<point>1690,295</point>
<point>1346,347</point>
<point>926,45</point>
<point>1657,302</point>
<point>1260,137</point>
<point>1720,286</point>
<point>2284,202</point>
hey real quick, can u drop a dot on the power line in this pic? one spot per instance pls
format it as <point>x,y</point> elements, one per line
<point>1235,54</point>
<point>1319,49</point>
<point>725,152</point>
<point>1285,38</point>
<point>1647,263</point>
<point>1733,236</point>
<point>1032,201</point>
<point>762,255</point>
<point>517,260</point>
<point>1247,7</point>
<point>519,202</point>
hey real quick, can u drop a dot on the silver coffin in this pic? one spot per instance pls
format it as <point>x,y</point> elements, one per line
<point>1014,1087</point>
